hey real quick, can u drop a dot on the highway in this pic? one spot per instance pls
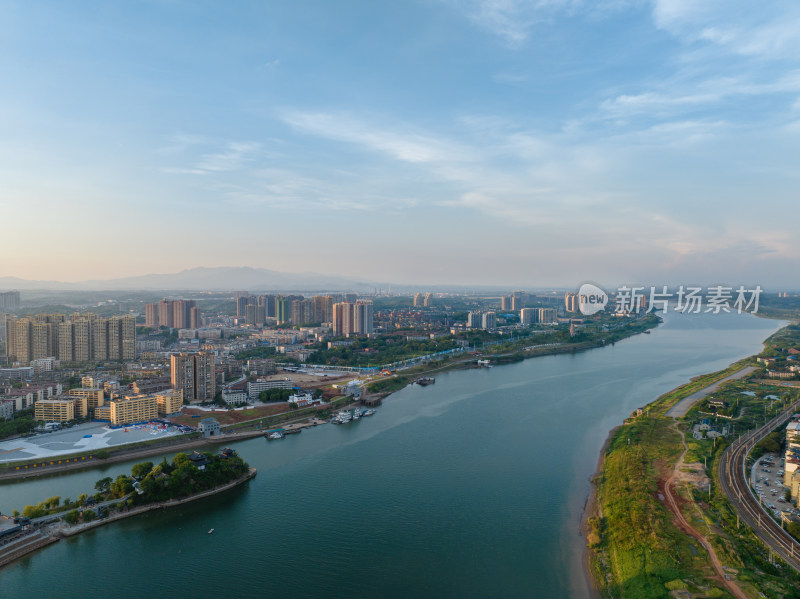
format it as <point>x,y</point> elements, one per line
<point>734,483</point>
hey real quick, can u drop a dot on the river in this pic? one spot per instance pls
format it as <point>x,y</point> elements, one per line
<point>471,487</point>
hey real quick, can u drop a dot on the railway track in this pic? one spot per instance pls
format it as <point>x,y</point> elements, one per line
<point>734,483</point>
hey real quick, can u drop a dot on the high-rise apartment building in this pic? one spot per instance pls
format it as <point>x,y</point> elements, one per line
<point>428,301</point>
<point>9,300</point>
<point>322,308</point>
<point>353,318</point>
<point>255,315</point>
<point>268,303</point>
<point>151,316</point>
<point>81,338</point>
<point>194,318</point>
<point>243,299</point>
<point>302,311</point>
<point>474,320</point>
<point>418,300</point>
<point>571,302</point>
<point>528,316</point>
<point>489,321</point>
<point>194,374</point>
<point>283,310</point>
<point>548,315</point>
<point>518,300</point>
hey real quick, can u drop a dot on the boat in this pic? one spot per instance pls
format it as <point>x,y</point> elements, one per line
<point>210,531</point>
<point>275,435</point>
<point>342,417</point>
<point>357,413</point>
<point>368,412</point>
<point>425,380</point>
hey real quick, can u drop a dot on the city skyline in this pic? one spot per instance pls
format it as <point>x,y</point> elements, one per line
<point>490,142</point>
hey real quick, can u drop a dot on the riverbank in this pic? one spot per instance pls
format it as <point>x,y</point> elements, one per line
<point>592,509</point>
<point>55,532</point>
<point>157,448</point>
<point>655,477</point>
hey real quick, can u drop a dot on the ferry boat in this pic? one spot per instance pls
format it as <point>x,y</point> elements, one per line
<point>357,414</point>
<point>275,435</point>
<point>368,412</point>
<point>342,417</point>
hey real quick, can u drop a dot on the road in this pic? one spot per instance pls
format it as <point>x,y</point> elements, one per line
<point>680,520</point>
<point>733,481</point>
<point>680,409</point>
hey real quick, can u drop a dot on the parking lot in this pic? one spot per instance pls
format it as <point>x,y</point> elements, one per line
<point>766,479</point>
<point>80,438</point>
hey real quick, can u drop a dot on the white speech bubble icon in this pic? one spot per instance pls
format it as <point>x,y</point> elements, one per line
<point>591,299</point>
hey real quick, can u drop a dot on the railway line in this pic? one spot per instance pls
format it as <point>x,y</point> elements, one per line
<point>734,483</point>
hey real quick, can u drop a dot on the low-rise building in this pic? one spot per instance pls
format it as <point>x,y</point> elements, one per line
<point>209,427</point>
<point>103,413</point>
<point>94,396</point>
<point>54,410</point>
<point>169,402</point>
<point>254,388</point>
<point>6,409</point>
<point>303,399</point>
<point>133,409</point>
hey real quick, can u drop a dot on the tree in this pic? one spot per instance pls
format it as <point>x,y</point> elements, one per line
<point>141,469</point>
<point>82,498</point>
<point>180,460</point>
<point>52,502</point>
<point>34,511</point>
<point>122,486</point>
<point>72,517</point>
<point>103,484</point>
<point>88,515</point>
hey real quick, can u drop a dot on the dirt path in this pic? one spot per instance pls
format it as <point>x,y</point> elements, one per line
<point>681,522</point>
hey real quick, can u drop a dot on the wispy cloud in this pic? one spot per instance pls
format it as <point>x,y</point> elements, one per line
<point>233,156</point>
<point>404,144</point>
<point>772,30</point>
<point>513,21</point>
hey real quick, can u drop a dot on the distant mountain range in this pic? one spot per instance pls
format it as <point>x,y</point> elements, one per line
<point>221,278</point>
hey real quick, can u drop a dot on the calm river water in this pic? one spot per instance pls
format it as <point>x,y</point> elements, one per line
<point>472,487</point>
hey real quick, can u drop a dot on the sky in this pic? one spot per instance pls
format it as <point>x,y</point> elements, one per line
<point>485,142</point>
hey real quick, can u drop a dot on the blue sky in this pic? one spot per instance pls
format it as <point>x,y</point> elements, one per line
<point>545,142</point>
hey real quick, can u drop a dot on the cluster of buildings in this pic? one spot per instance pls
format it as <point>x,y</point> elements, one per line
<point>173,314</point>
<point>515,302</point>
<point>423,300</point>
<point>287,309</point>
<point>528,316</point>
<point>194,375</point>
<point>784,367</point>
<point>791,467</point>
<point>78,338</point>
<point>482,320</point>
<point>96,399</point>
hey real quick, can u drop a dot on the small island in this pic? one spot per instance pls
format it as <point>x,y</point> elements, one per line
<point>149,486</point>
